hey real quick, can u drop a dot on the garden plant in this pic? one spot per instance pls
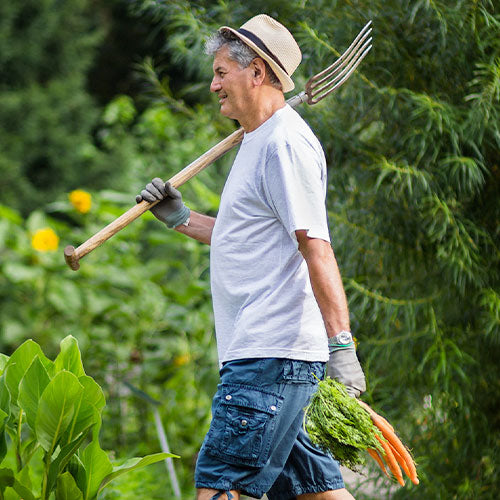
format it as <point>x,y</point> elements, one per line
<point>51,411</point>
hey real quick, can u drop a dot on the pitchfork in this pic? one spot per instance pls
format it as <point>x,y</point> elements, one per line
<point>317,88</point>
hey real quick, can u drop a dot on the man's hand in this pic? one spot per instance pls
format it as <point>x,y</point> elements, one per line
<point>170,209</point>
<point>344,366</point>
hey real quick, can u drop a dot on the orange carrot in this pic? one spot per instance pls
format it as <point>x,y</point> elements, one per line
<point>385,422</point>
<point>401,461</point>
<point>396,443</point>
<point>374,454</point>
<point>373,413</point>
<point>391,461</point>
<point>402,454</point>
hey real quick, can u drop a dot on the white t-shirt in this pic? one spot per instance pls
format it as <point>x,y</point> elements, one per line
<point>262,297</point>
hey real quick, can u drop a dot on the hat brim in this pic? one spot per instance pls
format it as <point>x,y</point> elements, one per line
<point>286,81</point>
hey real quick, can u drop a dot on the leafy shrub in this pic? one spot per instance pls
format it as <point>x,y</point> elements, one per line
<point>53,407</point>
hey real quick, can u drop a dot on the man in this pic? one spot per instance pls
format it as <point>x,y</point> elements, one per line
<point>276,288</point>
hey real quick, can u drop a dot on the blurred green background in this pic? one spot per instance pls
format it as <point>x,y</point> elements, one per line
<point>97,97</point>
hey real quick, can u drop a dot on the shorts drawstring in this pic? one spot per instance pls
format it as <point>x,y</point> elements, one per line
<point>218,495</point>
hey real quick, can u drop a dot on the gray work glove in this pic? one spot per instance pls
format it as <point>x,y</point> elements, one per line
<point>344,366</point>
<point>170,210</point>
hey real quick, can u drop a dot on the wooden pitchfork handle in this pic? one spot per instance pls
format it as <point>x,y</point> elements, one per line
<point>73,255</point>
<point>317,88</point>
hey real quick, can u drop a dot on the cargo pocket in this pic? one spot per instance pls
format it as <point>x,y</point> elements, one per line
<point>243,425</point>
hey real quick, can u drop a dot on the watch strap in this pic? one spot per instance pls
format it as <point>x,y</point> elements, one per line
<point>343,340</point>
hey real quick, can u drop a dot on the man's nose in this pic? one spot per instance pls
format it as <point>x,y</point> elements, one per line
<point>215,86</point>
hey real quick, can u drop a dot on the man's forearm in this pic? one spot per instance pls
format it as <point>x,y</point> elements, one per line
<point>326,283</point>
<point>200,227</point>
<point>329,292</point>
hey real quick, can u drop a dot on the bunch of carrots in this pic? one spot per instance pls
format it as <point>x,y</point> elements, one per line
<point>395,452</point>
<point>346,427</point>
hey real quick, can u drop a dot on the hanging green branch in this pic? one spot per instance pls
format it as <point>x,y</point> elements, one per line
<point>387,300</point>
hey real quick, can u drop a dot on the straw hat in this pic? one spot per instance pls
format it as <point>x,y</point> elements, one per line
<point>274,43</point>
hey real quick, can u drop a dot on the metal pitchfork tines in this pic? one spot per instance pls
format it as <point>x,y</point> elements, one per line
<point>331,78</point>
<point>317,88</point>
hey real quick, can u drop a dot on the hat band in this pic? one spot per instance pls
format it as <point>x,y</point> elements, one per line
<point>262,46</point>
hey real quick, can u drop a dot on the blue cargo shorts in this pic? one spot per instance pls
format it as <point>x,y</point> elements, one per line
<point>256,443</point>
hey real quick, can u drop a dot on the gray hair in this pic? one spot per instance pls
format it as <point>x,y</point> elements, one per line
<point>239,52</point>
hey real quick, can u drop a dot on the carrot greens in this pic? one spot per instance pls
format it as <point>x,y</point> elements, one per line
<point>339,425</point>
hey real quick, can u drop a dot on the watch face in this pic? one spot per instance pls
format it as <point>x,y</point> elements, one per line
<point>344,338</point>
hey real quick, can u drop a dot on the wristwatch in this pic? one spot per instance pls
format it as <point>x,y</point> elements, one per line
<point>342,338</point>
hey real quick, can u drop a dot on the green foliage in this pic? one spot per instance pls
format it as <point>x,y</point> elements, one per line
<point>147,483</point>
<point>61,407</point>
<point>46,114</point>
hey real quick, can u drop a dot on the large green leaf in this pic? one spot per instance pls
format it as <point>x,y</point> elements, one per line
<point>3,440</point>
<point>3,362</point>
<point>84,417</point>
<point>19,363</point>
<point>87,410</point>
<point>31,388</point>
<point>77,470</point>
<point>24,477</point>
<point>133,464</point>
<point>97,466</point>
<point>56,409</point>
<point>6,479</point>
<point>23,492</point>
<point>93,392</point>
<point>65,455</point>
<point>67,488</point>
<point>69,358</point>
<point>4,396</point>
<point>29,449</point>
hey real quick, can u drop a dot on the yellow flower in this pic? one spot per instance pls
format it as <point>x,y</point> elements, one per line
<point>81,200</point>
<point>45,240</point>
<point>182,360</point>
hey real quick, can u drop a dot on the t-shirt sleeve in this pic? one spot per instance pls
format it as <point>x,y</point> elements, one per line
<point>295,188</point>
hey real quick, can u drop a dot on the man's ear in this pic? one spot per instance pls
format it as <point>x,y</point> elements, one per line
<point>258,70</point>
